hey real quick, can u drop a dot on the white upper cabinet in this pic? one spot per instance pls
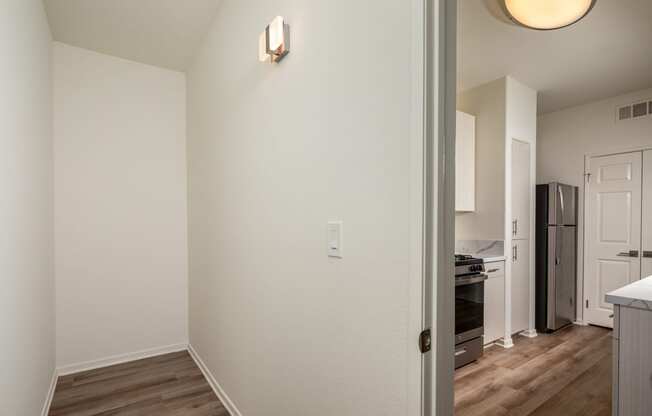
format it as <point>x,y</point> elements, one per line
<point>465,163</point>
<point>521,190</point>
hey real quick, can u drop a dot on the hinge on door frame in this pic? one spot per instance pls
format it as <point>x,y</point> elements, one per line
<point>587,304</point>
<point>588,177</point>
<point>425,341</point>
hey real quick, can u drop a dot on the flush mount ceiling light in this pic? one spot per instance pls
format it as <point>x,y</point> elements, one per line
<point>547,14</point>
<point>274,42</point>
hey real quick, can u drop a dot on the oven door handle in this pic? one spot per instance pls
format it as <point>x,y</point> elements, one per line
<point>471,280</point>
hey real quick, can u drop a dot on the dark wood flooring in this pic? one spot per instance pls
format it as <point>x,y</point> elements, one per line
<point>168,385</point>
<point>564,374</point>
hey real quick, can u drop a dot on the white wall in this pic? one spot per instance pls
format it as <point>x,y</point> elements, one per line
<point>565,137</point>
<point>26,246</point>
<point>488,103</point>
<point>275,152</point>
<point>120,206</point>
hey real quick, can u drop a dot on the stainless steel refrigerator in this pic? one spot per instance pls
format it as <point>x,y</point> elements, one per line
<point>556,256</point>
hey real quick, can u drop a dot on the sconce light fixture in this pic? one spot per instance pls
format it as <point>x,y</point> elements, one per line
<point>274,42</point>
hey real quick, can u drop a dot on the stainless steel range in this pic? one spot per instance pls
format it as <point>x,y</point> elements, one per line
<point>469,309</point>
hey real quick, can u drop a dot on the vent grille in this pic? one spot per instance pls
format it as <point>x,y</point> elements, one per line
<point>633,111</point>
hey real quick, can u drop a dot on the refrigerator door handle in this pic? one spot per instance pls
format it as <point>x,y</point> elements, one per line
<point>561,204</point>
<point>552,269</point>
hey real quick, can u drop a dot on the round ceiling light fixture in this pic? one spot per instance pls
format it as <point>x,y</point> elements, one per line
<point>547,14</point>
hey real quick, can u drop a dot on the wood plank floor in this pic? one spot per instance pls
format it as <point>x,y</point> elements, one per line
<point>168,385</point>
<point>567,373</point>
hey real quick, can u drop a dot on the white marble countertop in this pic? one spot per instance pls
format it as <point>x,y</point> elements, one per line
<point>491,259</point>
<point>635,295</point>
<point>489,250</point>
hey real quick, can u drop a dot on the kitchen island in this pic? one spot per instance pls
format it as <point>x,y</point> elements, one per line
<point>632,348</point>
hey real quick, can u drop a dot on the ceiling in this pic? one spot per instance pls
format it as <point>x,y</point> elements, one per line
<point>602,56</point>
<point>164,33</point>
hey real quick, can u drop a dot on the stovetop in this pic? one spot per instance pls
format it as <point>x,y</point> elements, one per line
<point>466,265</point>
<point>465,259</point>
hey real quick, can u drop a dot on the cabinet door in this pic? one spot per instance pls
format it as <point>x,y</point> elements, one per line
<point>646,263</point>
<point>521,187</point>
<point>465,163</point>
<point>494,302</point>
<point>634,362</point>
<point>520,285</point>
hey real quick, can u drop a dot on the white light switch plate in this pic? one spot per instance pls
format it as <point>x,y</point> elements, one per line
<point>335,239</point>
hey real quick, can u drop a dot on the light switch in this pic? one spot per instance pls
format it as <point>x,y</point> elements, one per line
<point>335,239</point>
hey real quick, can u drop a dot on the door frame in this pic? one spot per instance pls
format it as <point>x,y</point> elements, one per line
<point>581,316</point>
<point>432,206</point>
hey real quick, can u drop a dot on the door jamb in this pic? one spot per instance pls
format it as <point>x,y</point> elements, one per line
<point>439,225</point>
<point>432,205</point>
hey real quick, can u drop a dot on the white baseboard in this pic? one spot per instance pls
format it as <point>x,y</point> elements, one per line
<point>506,343</point>
<point>48,399</point>
<point>226,401</point>
<point>530,333</point>
<point>119,359</point>
<point>581,323</point>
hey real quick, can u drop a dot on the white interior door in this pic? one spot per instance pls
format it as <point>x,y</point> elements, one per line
<point>646,262</point>
<point>613,230</point>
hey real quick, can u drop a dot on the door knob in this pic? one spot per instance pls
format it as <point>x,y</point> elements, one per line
<point>630,253</point>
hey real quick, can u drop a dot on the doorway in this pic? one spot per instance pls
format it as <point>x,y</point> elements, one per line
<point>617,228</point>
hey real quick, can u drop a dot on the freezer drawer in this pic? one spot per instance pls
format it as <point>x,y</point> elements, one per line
<point>467,352</point>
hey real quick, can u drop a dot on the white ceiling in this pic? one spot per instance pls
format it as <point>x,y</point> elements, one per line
<point>164,33</point>
<point>604,55</point>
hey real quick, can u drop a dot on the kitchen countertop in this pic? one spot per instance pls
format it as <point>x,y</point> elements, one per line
<point>488,250</point>
<point>635,295</point>
<point>490,259</point>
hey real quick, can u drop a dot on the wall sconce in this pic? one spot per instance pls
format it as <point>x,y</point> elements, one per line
<point>274,42</point>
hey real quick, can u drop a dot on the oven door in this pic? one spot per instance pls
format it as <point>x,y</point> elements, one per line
<point>469,307</point>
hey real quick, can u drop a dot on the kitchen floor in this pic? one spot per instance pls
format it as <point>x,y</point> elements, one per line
<point>567,373</point>
<point>168,385</point>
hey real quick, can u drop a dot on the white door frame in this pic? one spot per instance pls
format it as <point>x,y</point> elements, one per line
<point>437,232</point>
<point>432,206</point>
<point>581,318</point>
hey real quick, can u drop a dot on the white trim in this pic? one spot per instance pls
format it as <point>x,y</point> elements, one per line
<point>119,359</point>
<point>581,323</point>
<point>417,270</point>
<point>585,237</point>
<point>50,396</point>
<point>441,86</point>
<point>533,242</point>
<point>530,333</point>
<point>618,152</point>
<point>219,391</point>
<point>506,343</point>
